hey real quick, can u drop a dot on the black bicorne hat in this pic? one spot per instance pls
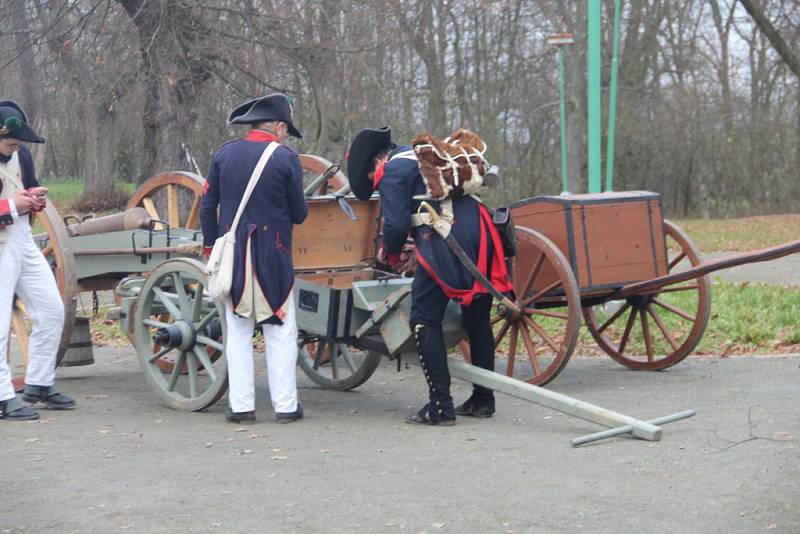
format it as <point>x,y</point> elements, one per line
<point>274,107</point>
<point>14,123</point>
<point>365,146</point>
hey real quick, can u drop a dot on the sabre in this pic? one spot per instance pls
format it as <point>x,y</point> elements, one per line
<point>442,228</point>
<point>343,203</point>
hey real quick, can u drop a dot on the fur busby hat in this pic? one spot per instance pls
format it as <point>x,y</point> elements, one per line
<point>274,107</point>
<point>14,123</point>
<point>367,144</point>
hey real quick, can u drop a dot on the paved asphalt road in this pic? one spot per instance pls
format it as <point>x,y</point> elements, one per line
<point>124,463</point>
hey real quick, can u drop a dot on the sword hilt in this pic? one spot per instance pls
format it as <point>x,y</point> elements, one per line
<point>432,212</point>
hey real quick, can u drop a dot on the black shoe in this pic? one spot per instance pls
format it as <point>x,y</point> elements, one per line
<point>290,417</point>
<point>14,410</point>
<point>240,417</point>
<point>476,407</point>
<point>426,416</point>
<point>49,395</point>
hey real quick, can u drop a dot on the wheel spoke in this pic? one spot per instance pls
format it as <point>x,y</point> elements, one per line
<point>496,320</point>
<point>555,315</point>
<point>533,274</point>
<point>176,372</point>
<point>501,334</point>
<point>674,309</point>
<point>206,362</point>
<point>205,340</point>
<point>512,351</point>
<point>348,357</point>
<point>158,355</point>
<point>193,218</point>
<point>150,207</point>
<point>213,314</point>
<point>676,260</point>
<point>541,293</point>
<point>183,298</point>
<point>154,323</point>
<point>197,305</point>
<point>333,356</point>
<point>320,351</point>
<point>628,326</point>
<point>168,304</point>
<point>526,337</point>
<point>661,326</point>
<point>191,363</point>
<point>542,334</point>
<point>648,342</point>
<point>172,203</point>
<point>614,317</point>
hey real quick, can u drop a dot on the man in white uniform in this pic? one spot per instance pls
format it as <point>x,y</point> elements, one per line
<point>25,273</point>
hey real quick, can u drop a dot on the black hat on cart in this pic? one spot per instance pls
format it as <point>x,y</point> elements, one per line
<point>274,107</point>
<point>14,123</point>
<point>367,144</point>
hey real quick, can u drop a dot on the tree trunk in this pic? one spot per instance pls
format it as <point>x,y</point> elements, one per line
<point>29,72</point>
<point>791,59</point>
<point>99,125</point>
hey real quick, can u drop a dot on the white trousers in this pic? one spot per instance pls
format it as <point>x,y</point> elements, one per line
<point>24,271</point>
<point>280,343</point>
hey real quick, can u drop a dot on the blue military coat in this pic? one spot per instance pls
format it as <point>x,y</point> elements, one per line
<point>472,228</point>
<point>263,268</point>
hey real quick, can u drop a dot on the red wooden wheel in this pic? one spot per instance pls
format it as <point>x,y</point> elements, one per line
<point>654,331</point>
<point>313,166</point>
<point>539,341</point>
<point>173,197</point>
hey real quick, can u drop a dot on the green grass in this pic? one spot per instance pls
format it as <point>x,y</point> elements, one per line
<point>748,233</point>
<point>67,191</point>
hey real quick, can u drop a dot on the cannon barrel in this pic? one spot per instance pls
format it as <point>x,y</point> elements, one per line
<point>131,219</point>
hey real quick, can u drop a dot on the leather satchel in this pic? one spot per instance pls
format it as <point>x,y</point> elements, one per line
<point>219,268</point>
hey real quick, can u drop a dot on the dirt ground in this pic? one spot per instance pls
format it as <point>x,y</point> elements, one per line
<point>122,462</point>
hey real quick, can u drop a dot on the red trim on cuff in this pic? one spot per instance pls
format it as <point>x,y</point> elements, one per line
<point>393,259</point>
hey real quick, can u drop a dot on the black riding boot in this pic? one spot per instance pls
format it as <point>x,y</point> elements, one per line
<point>433,357</point>
<point>481,348</point>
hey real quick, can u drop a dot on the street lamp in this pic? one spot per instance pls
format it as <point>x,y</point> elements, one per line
<point>561,40</point>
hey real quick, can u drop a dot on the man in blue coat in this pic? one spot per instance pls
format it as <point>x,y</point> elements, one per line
<point>261,292</point>
<point>375,162</point>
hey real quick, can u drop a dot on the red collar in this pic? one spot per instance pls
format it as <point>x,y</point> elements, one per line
<point>261,136</point>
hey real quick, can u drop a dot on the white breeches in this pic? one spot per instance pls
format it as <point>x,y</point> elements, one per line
<point>280,342</point>
<point>24,271</point>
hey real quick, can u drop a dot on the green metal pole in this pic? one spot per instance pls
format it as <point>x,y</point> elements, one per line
<point>612,101</point>
<point>563,112</point>
<point>594,97</point>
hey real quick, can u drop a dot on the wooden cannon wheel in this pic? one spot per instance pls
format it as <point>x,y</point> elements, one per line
<point>174,318</point>
<point>335,365</point>
<point>539,341</point>
<point>656,330</point>
<point>54,243</point>
<point>173,197</point>
<point>313,166</point>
